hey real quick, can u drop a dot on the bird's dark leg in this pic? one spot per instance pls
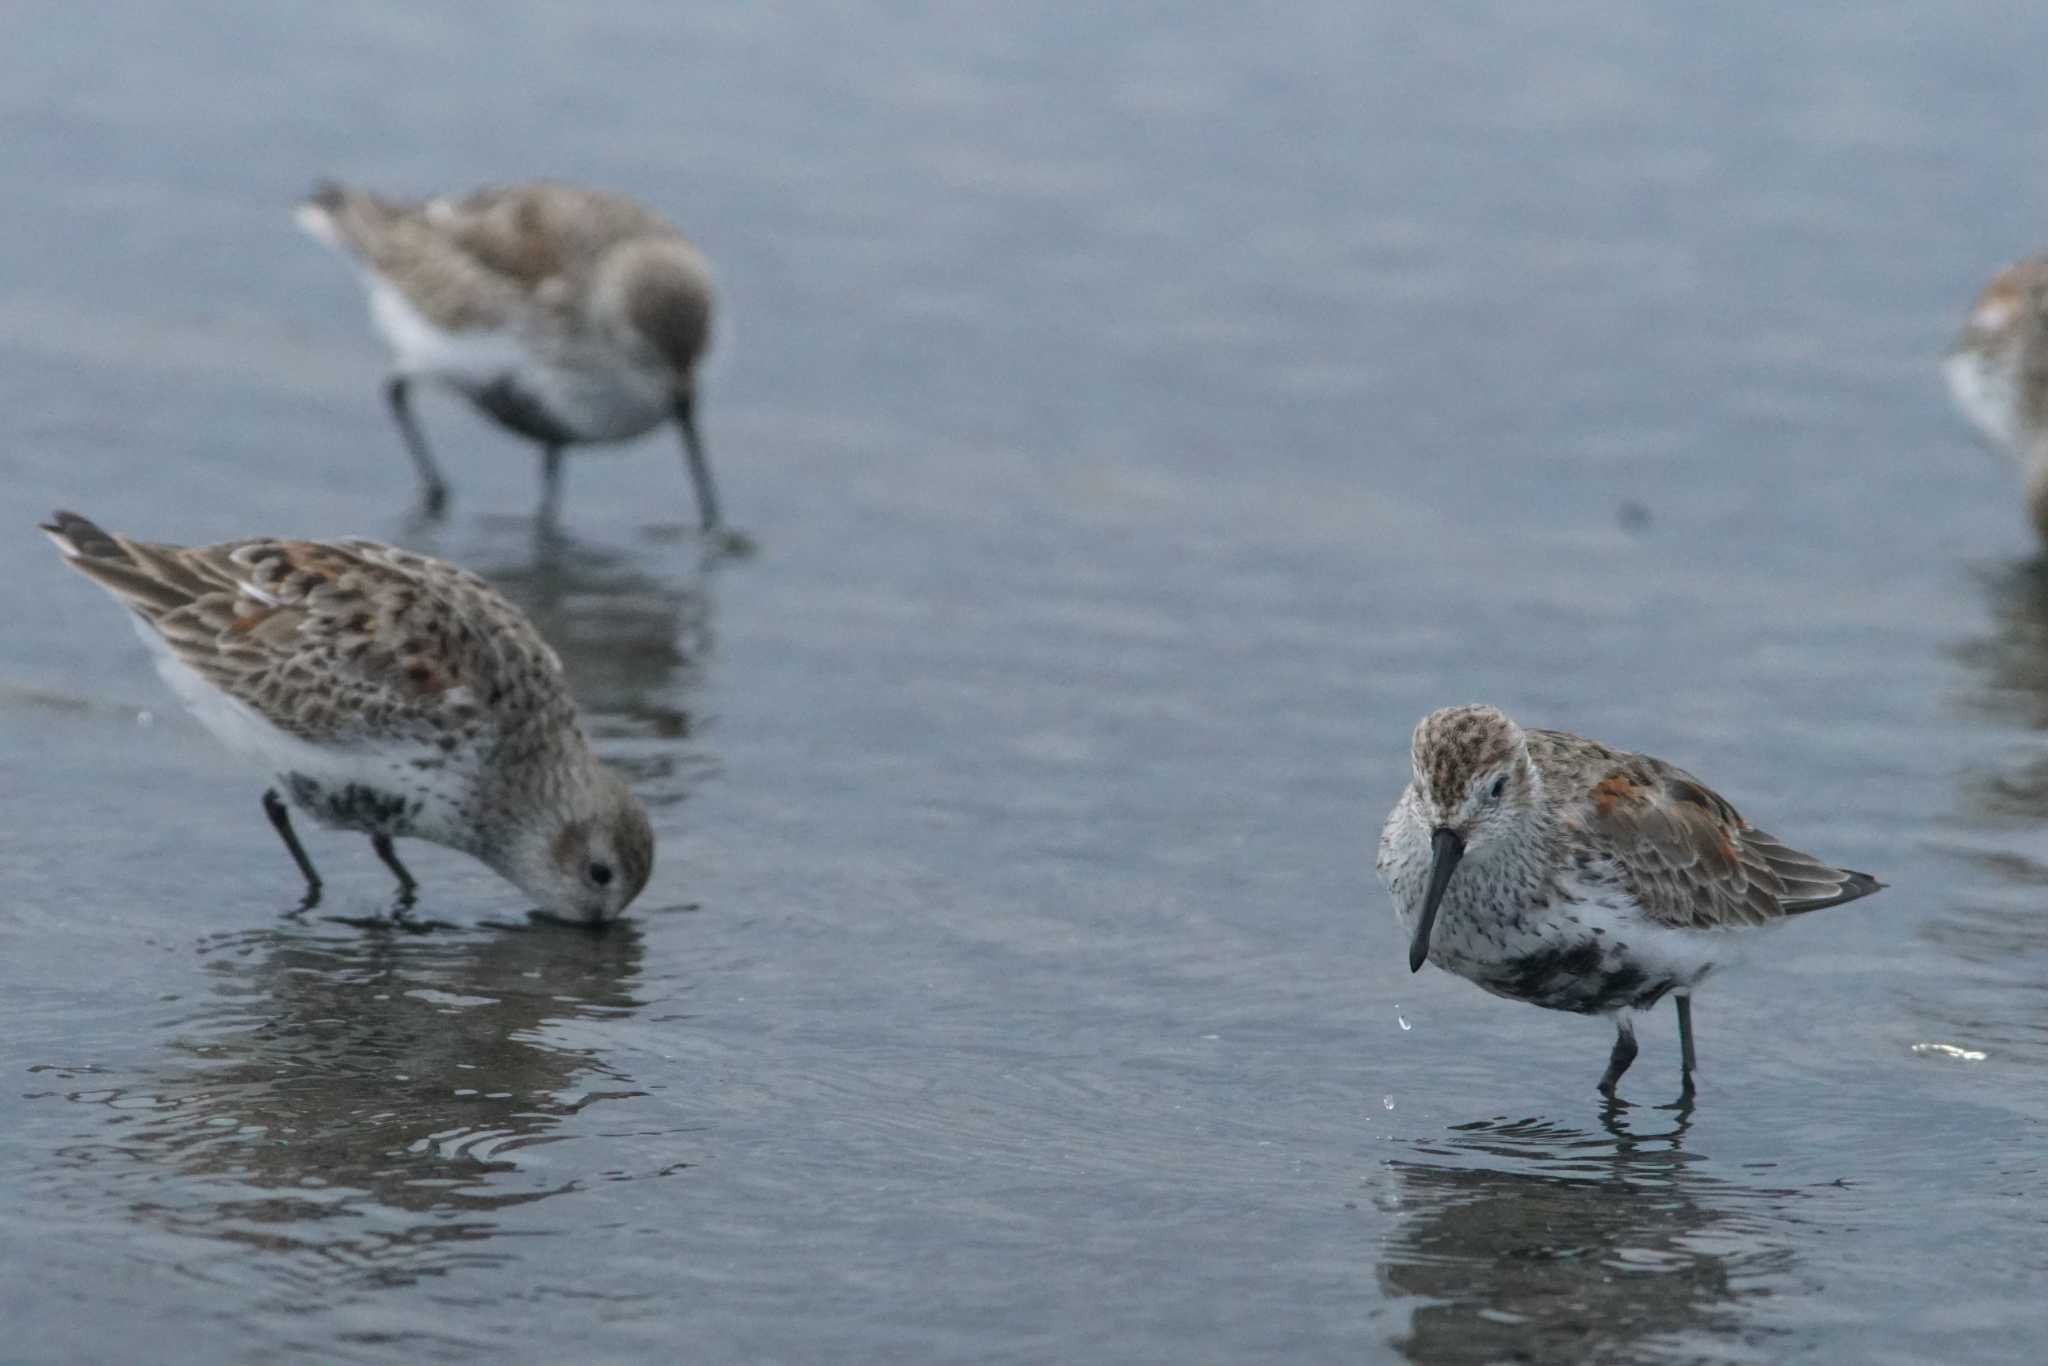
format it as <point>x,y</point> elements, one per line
<point>1624,1053</point>
<point>406,886</point>
<point>433,489</point>
<point>550,483</point>
<point>281,821</point>
<point>700,468</point>
<point>1685,1042</point>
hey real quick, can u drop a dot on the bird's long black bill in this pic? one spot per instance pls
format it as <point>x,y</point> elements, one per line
<point>700,466</point>
<point>1445,851</point>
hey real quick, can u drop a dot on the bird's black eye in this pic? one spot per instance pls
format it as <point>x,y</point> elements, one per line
<point>600,873</point>
<point>1500,787</point>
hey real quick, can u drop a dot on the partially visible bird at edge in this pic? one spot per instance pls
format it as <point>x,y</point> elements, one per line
<point>1997,375</point>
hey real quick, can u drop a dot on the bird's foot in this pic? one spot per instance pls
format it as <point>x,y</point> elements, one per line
<point>725,543</point>
<point>1686,1097</point>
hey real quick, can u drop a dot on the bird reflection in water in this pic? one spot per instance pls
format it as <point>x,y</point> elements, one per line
<point>364,1107</point>
<point>634,627</point>
<point>1989,922</point>
<point>2011,690</point>
<point>1590,1247</point>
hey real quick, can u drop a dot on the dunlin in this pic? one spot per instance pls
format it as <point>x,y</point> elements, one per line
<point>392,695</point>
<point>1548,868</point>
<point>1997,373</point>
<point>567,315</point>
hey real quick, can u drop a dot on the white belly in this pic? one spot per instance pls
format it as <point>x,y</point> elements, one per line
<point>1593,957</point>
<point>474,357</point>
<point>436,795</point>
<point>603,398</point>
<point>591,391</point>
<point>1591,950</point>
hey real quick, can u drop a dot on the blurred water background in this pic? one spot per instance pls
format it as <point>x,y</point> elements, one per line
<point>1144,413</point>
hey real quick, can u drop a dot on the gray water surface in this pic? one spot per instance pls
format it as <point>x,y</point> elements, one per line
<point>1144,415</point>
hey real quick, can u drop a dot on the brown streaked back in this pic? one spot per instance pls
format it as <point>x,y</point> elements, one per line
<point>1684,852</point>
<point>533,232</point>
<point>475,260</point>
<point>332,641</point>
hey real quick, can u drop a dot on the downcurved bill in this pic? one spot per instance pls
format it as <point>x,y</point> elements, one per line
<point>1445,849</point>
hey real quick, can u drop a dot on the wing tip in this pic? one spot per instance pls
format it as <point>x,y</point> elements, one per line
<point>1854,886</point>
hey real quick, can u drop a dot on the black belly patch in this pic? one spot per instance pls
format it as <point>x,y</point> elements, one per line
<point>1585,978</point>
<point>521,410</point>
<point>354,806</point>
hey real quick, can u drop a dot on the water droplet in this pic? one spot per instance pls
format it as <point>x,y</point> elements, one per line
<point>1387,1101</point>
<point>1400,1019</point>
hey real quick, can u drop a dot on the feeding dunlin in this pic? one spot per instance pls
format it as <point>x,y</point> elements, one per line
<point>1997,373</point>
<point>1551,869</point>
<point>393,695</point>
<point>567,315</point>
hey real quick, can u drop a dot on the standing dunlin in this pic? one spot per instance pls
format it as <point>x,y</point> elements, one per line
<point>1587,879</point>
<point>567,315</point>
<point>393,695</point>
<point>1997,373</point>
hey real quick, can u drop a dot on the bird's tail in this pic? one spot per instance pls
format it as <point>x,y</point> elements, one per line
<point>1852,886</point>
<point>1804,882</point>
<point>319,214</point>
<point>79,537</point>
<point>149,578</point>
<point>344,218</point>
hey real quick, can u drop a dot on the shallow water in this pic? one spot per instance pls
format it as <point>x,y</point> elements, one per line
<point>1143,416</point>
